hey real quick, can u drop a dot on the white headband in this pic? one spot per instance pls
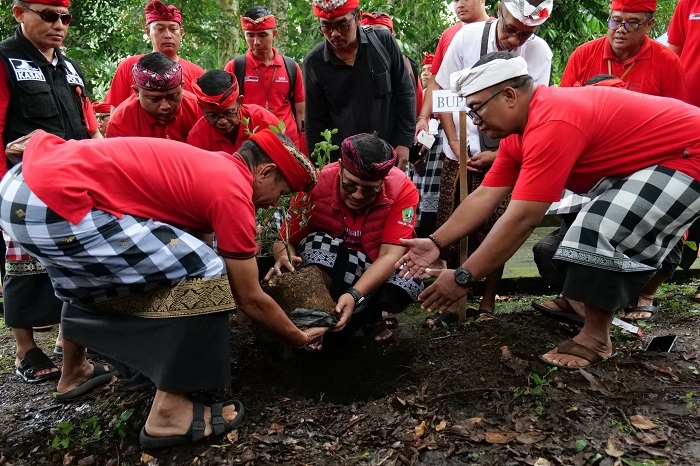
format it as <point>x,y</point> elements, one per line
<point>471,81</point>
<point>527,14</point>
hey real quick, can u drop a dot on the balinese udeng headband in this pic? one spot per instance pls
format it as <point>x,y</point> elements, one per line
<point>261,24</point>
<point>377,19</point>
<point>156,10</point>
<point>352,161</point>
<point>645,6</point>
<point>220,101</point>
<point>527,14</point>
<point>102,108</point>
<point>612,82</point>
<point>478,78</point>
<point>296,168</point>
<point>329,9</point>
<point>64,3</point>
<point>147,79</point>
<point>428,59</point>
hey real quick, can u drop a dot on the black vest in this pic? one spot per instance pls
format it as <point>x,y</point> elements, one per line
<point>42,96</point>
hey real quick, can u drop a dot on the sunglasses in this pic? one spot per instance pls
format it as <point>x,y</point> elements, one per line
<point>51,16</point>
<point>365,191</point>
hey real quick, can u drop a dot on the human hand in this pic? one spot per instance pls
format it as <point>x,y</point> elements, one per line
<point>402,157</point>
<point>444,292</point>
<point>345,306</point>
<point>421,124</point>
<point>421,253</point>
<point>280,264</point>
<point>483,160</point>
<point>311,336</point>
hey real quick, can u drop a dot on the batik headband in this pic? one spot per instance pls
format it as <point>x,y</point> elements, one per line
<point>296,168</point>
<point>329,9</point>
<point>147,79</point>
<point>156,10</point>
<point>220,101</point>
<point>377,19</point>
<point>261,24</point>
<point>352,161</point>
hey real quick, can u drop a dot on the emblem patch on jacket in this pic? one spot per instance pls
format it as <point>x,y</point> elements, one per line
<point>26,71</point>
<point>407,214</point>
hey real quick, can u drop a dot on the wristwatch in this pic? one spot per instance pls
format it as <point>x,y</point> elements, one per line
<point>356,295</point>
<point>463,277</point>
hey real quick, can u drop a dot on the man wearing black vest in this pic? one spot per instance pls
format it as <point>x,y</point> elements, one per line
<point>39,89</point>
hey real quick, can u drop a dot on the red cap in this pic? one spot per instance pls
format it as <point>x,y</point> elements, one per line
<point>377,19</point>
<point>296,168</point>
<point>634,5</point>
<point>260,24</point>
<point>65,3</point>
<point>100,107</point>
<point>428,59</point>
<point>156,10</point>
<point>329,9</point>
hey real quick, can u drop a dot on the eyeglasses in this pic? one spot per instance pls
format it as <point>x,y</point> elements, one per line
<point>51,16</point>
<point>227,115</point>
<point>365,191</point>
<point>473,113</point>
<point>341,27</point>
<point>613,24</point>
<point>511,31</point>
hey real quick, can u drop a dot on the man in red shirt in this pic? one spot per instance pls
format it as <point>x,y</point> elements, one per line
<point>160,107</point>
<point>227,122</point>
<point>122,243</point>
<point>628,53</point>
<point>361,207</point>
<point>684,40</point>
<point>266,76</point>
<point>164,28</point>
<point>102,112</point>
<point>618,240</point>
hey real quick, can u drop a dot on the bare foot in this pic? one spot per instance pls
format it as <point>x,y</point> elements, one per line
<point>595,347</point>
<point>172,415</point>
<point>70,381</point>
<point>384,335</point>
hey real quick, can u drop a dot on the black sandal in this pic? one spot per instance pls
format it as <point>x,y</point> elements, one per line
<point>440,319</point>
<point>35,361</point>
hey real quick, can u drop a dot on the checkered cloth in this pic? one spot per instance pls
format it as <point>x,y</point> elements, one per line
<point>102,257</point>
<point>632,226</point>
<point>571,202</point>
<point>322,249</point>
<point>428,183</point>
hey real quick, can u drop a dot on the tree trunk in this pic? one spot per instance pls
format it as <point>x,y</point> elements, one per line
<point>279,9</point>
<point>229,31</point>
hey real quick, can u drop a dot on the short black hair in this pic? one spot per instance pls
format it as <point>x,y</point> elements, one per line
<point>518,81</point>
<point>256,12</point>
<point>372,149</point>
<point>156,62</point>
<point>598,78</point>
<point>215,82</point>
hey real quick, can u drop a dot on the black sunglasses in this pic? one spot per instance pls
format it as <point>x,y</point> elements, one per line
<point>365,191</point>
<point>51,16</point>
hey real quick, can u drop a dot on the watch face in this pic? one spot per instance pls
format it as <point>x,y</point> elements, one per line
<point>462,276</point>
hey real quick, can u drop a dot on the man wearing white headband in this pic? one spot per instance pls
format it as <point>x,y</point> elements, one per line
<point>513,31</point>
<point>648,145</point>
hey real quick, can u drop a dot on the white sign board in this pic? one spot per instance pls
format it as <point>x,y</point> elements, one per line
<point>445,101</point>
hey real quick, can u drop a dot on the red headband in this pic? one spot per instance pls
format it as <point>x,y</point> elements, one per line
<point>152,81</point>
<point>65,3</point>
<point>260,24</point>
<point>377,19</point>
<point>329,9</point>
<point>220,101</point>
<point>101,107</point>
<point>428,59</point>
<point>156,10</point>
<point>352,161</point>
<point>634,5</point>
<point>296,168</point>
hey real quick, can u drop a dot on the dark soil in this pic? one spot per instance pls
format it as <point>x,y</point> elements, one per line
<point>475,394</point>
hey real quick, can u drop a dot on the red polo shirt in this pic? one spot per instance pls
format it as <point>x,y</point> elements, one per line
<point>684,31</point>
<point>654,70</point>
<point>610,132</point>
<point>120,89</point>
<point>130,119</point>
<point>202,190</point>
<point>268,87</point>
<point>205,136</point>
<point>443,45</point>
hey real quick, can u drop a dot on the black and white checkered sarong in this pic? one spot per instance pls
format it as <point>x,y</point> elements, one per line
<point>428,184</point>
<point>322,249</point>
<point>103,256</point>
<point>632,226</point>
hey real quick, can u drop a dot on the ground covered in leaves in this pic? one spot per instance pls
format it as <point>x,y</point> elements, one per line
<point>474,394</point>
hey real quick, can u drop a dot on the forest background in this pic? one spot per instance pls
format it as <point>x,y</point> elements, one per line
<point>104,32</point>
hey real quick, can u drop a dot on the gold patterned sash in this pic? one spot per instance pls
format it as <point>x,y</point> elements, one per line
<point>189,298</point>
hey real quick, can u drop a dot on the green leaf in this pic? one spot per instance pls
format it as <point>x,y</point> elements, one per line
<point>581,445</point>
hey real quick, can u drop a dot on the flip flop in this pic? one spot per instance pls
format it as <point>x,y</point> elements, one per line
<point>99,377</point>
<point>34,361</point>
<point>390,320</point>
<point>562,314</point>
<point>571,348</point>
<point>439,319</point>
<point>653,310</point>
<point>374,329</point>
<point>196,431</point>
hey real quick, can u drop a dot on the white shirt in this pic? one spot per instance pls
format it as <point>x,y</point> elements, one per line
<point>465,50</point>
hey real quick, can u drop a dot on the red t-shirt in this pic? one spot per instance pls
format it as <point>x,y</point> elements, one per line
<point>120,90</point>
<point>576,136</point>
<point>443,45</point>
<point>130,119</point>
<point>684,31</point>
<point>205,136</point>
<point>202,190</point>
<point>654,70</point>
<point>268,86</point>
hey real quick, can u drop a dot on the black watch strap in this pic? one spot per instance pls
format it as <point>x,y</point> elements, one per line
<point>356,295</point>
